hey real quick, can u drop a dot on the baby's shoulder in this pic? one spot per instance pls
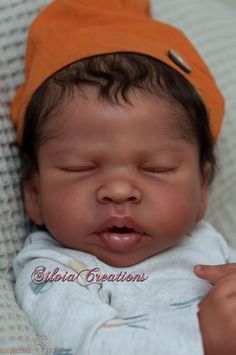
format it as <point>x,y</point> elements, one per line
<point>208,241</point>
<point>41,244</point>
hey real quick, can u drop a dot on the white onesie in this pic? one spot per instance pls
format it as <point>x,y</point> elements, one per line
<point>86,307</point>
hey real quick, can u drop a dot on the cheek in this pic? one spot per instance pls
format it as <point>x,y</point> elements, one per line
<point>176,208</point>
<point>63,209</point>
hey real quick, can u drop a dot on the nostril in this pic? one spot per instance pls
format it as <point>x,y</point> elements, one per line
<point>106,199</point>
<point>132,199</point>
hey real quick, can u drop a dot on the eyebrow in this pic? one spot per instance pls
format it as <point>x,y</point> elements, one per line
<point>70,150</point>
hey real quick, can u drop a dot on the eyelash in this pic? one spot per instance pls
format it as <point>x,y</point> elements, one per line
<point>160,170</point>
<point>79,170</point>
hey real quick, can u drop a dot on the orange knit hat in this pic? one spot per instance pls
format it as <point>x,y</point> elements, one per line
<point>69,30</point>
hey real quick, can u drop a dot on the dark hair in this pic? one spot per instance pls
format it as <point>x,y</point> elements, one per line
<point>115,75</point>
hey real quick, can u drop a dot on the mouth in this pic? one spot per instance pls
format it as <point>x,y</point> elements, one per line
<point>120,234</point>
<point>121,230</point>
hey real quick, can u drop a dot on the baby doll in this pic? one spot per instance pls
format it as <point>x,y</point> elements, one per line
<point>117,133</point>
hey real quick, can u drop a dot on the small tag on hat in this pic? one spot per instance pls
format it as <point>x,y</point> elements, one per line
<point>178,60</point>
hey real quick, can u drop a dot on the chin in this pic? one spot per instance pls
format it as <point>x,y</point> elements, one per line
<point>121,260</point>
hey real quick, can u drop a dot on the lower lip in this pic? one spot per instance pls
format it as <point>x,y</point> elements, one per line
<point>120,242</point>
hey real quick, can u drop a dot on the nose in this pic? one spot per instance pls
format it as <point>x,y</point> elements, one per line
<point>119,191</point>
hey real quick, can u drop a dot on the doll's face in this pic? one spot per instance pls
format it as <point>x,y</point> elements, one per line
<point>113,166</point>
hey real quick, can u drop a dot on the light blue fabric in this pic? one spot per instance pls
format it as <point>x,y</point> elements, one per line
<point>153,314</point>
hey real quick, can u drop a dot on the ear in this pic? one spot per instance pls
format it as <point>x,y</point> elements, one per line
<point>204,191</point>
<point>32,198</point>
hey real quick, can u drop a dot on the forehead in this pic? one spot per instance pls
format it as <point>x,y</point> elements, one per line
<point>85,115</point>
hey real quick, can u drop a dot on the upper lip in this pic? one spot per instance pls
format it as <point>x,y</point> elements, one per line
<point>119,222</point>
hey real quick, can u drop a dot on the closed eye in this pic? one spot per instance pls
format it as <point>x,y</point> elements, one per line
<point>78,169</point>
<point>160,170</point>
